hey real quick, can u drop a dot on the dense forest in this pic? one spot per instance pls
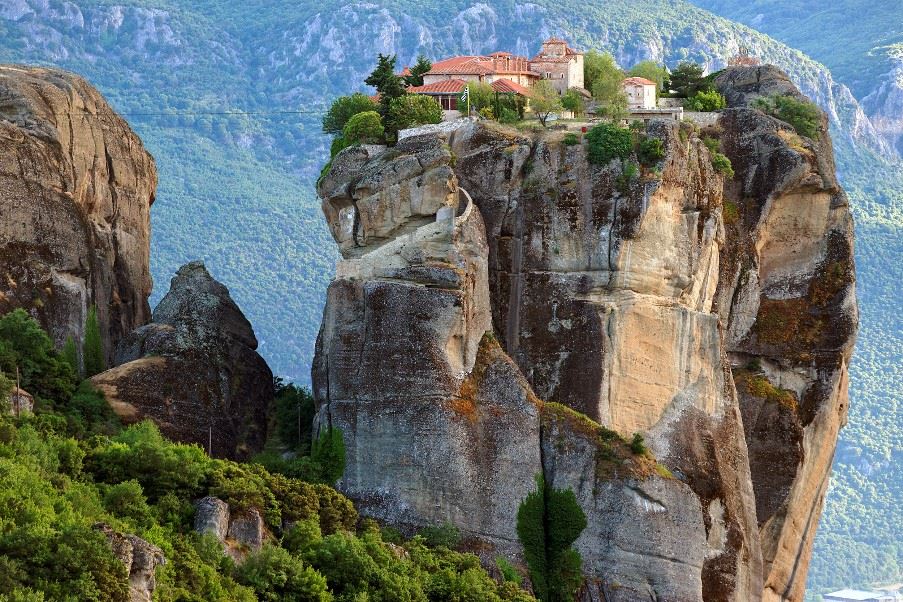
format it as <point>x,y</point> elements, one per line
<point>228,97</point>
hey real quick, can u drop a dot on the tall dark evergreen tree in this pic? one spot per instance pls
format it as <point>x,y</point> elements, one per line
<point>422,66</point>
<point>92,348</point>
<point>389,86</point>
<point>70,354</point>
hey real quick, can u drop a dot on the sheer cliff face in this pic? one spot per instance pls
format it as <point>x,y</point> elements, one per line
<point>715,318</point>
<point>787,300</point>
<point>76,187</point>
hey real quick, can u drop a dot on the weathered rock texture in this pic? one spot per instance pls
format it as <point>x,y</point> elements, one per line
<point>240,533</point>
<point>76,186</point>
<point>673,304</point>
<point>141,560</point>
<point>194,369</point>
<point>786,298</point>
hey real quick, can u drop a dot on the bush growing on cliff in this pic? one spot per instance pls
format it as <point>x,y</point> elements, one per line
<point>651,151</point>
<point>722,165</point>
<point>344,108</point>
<point>549,520</point>
<point>364,128</point>
<point>606,142</point>
<point>412,110</point>
<point>706,100</point>
<point>803,115</point>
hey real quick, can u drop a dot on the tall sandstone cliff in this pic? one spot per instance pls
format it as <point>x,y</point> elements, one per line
<point>76,186</point>
<point>505,309</point>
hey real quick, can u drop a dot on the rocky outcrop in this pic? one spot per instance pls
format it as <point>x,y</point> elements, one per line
<point>76,186</point>
<point>613,304</point>
<point>786,297</point>
<point>240,533</point>
<point>194,369</point>
<point>141,560</point>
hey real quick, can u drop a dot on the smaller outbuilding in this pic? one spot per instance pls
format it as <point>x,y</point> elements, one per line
<point>640,93</point>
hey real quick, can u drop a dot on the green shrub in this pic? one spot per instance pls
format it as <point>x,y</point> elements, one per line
<point>651,151</point>
<point>446,535</point>
<point>804,116</point>
<point>722,165</point>
<point>629,172</point>
<point>328,451</point>
<point>140,452</point>
<point>412,110</point>
<point>713,144</point>
<point>126,500</point>
<point>607,142</point>
<point>277,576</point>
<point>364,128</point>
<point>507,115</point>
<point>42,371</point>
<point>706,100</point>
<point>637,446</point>
<point>344,108</point>
<point>570,139</point>
<point>509,573</point>
<point>549,520</point>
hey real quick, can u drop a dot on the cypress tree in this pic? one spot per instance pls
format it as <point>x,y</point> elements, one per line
<point>549,520</point>
<point>328,452</point>
<point>92,348</point>
<point>70,354</point>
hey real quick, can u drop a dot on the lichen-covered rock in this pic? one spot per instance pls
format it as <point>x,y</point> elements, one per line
<point>786,296</point>
<point>194,370</point>
<point>76,186</point>
<point>141,560</point>
<point>713,316</point>
<point>212,516</point>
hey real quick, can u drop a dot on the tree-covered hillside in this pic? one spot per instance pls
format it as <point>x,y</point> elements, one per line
<point>228,97</point>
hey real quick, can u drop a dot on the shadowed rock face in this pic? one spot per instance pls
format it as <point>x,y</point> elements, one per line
<point>624,300</point>
<point>194,369</point>
<point>76,186</point>
<point>787,299</point>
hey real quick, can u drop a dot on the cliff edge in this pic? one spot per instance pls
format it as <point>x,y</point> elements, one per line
<point>505,309</point>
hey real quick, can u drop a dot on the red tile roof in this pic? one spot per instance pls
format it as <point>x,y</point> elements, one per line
<point>449,86</point>
<point>499,62</point>
<point>506,86</point>
<point>638,81</point>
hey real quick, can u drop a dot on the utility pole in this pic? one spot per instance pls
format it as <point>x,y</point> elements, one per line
<point>210,440</point>
<point>18,399</point>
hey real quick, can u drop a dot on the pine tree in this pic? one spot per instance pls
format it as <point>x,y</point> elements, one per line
<point>423,65</point>
<point>70,354</point>
<point>92,348</point>
<point>389,86</point>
